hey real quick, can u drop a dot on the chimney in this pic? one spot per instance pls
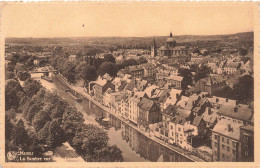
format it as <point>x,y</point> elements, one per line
<point>209,110</point>
<point>235,109</point>
<point>229,127</point>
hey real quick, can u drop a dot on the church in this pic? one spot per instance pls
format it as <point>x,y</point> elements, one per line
<point>171,50</point>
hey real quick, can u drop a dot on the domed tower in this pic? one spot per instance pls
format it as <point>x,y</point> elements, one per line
<point>153,49</point>
<point>171,42</point>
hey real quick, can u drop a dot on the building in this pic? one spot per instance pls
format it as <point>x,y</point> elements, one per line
<point>149,70</point>
<point>247,143</point>
<point>174,81</point>
<point>99,87</point>
<point>213,85</point>
<point>133,108</point>
<point>173,51</point>
<point>149,113</point>
<point>240,113</point>
<point>226,146</point>
<point>180,132</point>
<point>136,71</point>
<point>153,49</point>
<point>72,58</point>
<point>167,115</point>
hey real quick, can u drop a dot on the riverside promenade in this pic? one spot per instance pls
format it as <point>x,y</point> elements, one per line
<point>81,91</point>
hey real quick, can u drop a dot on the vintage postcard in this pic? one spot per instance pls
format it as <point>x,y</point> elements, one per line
<point>129,84</point>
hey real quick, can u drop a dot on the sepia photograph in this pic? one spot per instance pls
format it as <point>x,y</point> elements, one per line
<point>128,82</point>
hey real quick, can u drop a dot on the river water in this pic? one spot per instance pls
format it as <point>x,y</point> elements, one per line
<point>135,147</point>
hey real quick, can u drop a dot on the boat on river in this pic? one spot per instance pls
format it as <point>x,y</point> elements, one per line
<point>76,98</point>
<point>103,121</point>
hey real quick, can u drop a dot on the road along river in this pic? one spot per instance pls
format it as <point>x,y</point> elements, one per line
<point>135,147</point>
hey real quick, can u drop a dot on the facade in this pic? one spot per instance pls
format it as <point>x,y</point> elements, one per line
<point>153,49</point>
<point>149,70</point>
<point>133,109</point>
<point>174,81</point>
<point>226,146</point>
<point>212,85</point>
<point>149,113</point>
<point>247,143</point>
<point>100,87</point>
<point>173,51</point>
<point>179,133</point>
<point>136,71</point>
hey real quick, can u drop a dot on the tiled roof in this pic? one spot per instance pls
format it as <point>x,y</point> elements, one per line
<point>222,127</point>
<point>240,112</point>
<point>179,120</point>
<point>146,104</point>
<point>170,110</point>
<point>196,121</point>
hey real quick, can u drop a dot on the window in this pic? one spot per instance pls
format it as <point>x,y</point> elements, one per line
<point>223,139</point>
<point>216,137</point>
<point>179,129</point>
<point>223,146</point>
<point>172,133</point>
<point>228,149</point>
<point>216,144</point>
<point>223,155</point>
<point>227,141</point>
<point>216,153</point>
<point>227,157</point>
<point>181,141</point>
<point>171,127</point>
<point>246,153</point>
<point>234,144</point>
<point>234,152</point>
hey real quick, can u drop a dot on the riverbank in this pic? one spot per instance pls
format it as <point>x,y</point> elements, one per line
<point>81,92</point>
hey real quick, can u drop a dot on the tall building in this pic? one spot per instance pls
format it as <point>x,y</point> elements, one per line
<point>171,50</point>
<point>153,49</point>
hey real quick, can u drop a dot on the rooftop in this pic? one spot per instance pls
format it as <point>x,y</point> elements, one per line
<point>228,129</point>
<point>240,112</point>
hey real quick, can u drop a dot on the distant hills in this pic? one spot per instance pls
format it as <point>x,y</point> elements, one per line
<point>245,37</point>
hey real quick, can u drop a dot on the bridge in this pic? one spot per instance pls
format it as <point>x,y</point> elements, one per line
<point>47,71</point>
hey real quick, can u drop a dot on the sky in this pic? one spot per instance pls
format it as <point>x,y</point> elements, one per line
<point>136,19</point>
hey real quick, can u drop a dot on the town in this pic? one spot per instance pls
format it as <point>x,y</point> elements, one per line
<point>196,96</point>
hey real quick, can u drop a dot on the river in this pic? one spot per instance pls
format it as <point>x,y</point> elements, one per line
<point>135,147</point>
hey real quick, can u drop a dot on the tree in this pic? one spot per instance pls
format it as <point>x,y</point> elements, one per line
<point>111,154</point>
<point>107,67</point>
<point>89,139</point>
<point>40,119</point>
<point>31,87</point>
<point>23,75</point>
<point>128,62</point>
<point>244,89</point>
<point>12,87</point>
<point>202,72</point>
<point>9,75</point>
<point>187,77</point>
<point>196,50</point>
<point>19,136</point>
<point>69,71</point>
<point>20,68</point>
<point>243,52</point>
<point>142,60</point>
<point>33,110</point>
<point>109,58</point>
<point>86,72</point>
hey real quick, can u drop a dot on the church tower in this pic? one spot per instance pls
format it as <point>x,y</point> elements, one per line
<point>153,49</point>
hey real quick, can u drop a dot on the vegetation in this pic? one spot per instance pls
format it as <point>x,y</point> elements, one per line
<point>38,120</point>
